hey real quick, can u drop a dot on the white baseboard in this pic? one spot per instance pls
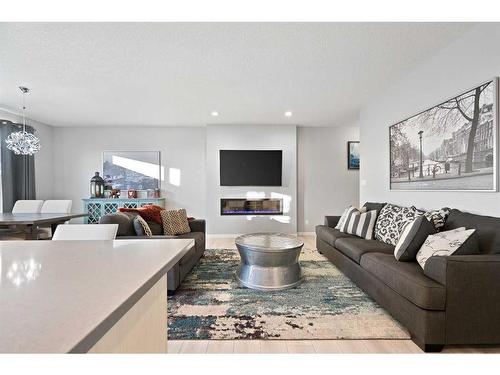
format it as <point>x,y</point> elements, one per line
<point>234,235</point>
<point>212,236</point>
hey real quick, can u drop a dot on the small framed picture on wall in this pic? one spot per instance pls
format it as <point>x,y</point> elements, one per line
<point>353,154</point>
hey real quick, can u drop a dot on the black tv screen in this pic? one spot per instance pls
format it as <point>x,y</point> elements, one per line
<point>250,167</point>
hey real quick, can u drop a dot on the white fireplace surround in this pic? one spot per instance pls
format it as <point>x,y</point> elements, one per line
<point>248,137</point>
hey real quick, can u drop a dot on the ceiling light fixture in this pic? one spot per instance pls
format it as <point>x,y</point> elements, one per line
<point>288,114</point>
<point>215,113</point>
<point>22,142</point>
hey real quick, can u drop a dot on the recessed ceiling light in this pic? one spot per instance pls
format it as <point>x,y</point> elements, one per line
<point>288,114</point>
<point>215,113</point>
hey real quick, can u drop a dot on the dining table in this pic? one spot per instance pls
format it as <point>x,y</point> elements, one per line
<point>33,221</point>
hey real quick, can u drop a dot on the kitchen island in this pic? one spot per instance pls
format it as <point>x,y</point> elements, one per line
<point>86,296</point>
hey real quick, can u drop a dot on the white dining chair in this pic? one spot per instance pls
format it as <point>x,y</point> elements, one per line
<point>85,232</point>
<point>22,206</point>
<point>54,206</point>
<point>31,206</point>
<point>57,206</point>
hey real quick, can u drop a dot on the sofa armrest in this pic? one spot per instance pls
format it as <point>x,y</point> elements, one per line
<point>332,221</point>
<point>472,298</point>
<point>438,267</point>
<point>197,225</point>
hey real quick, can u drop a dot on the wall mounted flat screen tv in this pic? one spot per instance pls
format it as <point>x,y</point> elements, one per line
<point>250,167</point>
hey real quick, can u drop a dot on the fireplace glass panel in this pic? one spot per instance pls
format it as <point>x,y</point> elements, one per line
<point>242,206</point>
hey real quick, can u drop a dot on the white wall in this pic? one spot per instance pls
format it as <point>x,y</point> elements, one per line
<point>325,185</point>
<point>43,159</point>
<point>272,137</point>
<point>78,154</point>
<point>470,60</point>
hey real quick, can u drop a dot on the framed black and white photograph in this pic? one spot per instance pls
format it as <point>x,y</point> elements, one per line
<point>451,146</point>
<point>353,155</point>
<point>138,170</point>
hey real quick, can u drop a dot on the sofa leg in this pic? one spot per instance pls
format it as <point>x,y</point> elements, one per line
<point>432,348</point>
<point>428,348</point>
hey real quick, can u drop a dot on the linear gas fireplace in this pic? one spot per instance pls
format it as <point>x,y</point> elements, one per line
<point>251,206</point>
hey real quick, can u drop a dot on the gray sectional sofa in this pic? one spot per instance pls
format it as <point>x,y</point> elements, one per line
<point>175,276</point>
<point>462,307</point>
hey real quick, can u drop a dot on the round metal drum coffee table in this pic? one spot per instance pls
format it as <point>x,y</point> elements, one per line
<point>269,261</point>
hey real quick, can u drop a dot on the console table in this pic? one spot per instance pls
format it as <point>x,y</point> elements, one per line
<point>97,207</point>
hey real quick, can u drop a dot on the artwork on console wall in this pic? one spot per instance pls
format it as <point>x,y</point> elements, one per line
<point>138,170</point>
<point>451,146</point>
<point>353,154</point>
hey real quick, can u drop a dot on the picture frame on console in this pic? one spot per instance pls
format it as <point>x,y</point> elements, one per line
<point>451,146</point>
<point>353,155</point>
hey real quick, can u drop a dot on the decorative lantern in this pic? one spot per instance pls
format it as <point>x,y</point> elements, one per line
<point>96,186</point>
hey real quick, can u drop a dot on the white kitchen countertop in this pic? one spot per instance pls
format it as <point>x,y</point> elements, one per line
<point>63,296</point>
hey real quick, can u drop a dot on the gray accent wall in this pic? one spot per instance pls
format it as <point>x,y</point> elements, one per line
<point>468,61</point>
<point>325,185</point>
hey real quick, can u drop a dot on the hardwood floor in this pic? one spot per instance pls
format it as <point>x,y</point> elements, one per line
<point>305,346</point>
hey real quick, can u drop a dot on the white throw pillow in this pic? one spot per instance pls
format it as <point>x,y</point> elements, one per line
<point>360,224</point>
<point>443,244</point>
<point>345,215</point>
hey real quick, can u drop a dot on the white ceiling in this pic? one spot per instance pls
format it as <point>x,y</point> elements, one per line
<point>178,73</point>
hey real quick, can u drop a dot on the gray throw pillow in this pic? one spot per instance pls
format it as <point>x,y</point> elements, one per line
<point>125,223</point>
<point>413,236</point>
<point>156,229</point>
<point>141,227</point>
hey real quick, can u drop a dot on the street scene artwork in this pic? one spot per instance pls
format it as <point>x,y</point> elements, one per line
<point>451,146</point>
<point>138,170</point>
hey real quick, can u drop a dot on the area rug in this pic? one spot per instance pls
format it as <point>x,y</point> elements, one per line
<point>327,305</point>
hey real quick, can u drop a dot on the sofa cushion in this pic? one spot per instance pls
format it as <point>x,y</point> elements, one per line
<point>125,223</point>
<point>354,248</point>
<point>370,206</point>
<point>330,235</point>
<point>407,279</point>
<point>488,229</point>
<point>156,228</point>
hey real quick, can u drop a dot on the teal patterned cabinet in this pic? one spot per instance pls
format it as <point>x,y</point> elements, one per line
<point>97,207</point>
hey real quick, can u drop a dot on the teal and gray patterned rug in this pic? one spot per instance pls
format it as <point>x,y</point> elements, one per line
<point>327,305</point>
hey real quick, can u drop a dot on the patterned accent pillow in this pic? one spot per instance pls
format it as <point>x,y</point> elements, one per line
<point>175,222</point>
<point>438,217</point>
<point>391,222</point>
<point>141,227</point>
<point>445,244</point>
